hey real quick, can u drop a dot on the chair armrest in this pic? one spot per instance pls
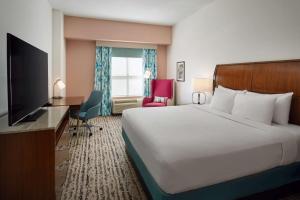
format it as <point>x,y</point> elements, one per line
<point>166,101</point>
<point>93,112</point>
<point>170,102</point>
<point>147,100</point>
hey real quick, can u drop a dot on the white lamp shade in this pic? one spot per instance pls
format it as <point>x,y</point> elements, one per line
<point>147,74</point>
<point>61,85</point>
<point>202,85</point>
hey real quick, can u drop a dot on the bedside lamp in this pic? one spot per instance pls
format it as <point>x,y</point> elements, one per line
<point>201,86</point>
<point>147,76</point>
<point>61,85</point>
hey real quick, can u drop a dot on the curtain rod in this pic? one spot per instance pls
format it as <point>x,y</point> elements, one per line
<point>126,45</point>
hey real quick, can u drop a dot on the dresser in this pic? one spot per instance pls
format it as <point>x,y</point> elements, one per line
<point>28,155</point>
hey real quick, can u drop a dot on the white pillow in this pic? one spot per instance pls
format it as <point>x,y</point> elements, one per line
<point>222,100</point>
<point>282,106</point>
<point>231,90</point>
<point>160,99</point>
<point>257,108</point>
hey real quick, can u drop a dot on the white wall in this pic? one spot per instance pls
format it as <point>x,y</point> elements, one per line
<point>58,49</point>
<point>233,31</point>
<point>30,20</point>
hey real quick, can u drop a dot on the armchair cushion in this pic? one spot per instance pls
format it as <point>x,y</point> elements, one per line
<point>154,104</point>
<point>147,100</point>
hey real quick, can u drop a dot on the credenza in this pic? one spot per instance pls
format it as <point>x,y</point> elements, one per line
<point>27,155</point>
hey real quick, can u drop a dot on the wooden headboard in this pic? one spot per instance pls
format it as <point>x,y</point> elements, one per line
<point>263,77</point>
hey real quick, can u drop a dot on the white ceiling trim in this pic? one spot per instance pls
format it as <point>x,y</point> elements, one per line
<point>161,12</point>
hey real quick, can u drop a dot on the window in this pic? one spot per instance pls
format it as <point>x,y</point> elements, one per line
<point>127,76</point>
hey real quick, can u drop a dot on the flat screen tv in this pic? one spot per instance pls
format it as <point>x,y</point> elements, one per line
<point>27,79</point>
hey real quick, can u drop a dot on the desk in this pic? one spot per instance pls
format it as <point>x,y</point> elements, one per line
<point>27,152</point>
<point>72,102</point>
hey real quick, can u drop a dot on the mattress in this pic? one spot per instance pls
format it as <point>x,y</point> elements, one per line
<point>295,130</point>
<point>192,146</point>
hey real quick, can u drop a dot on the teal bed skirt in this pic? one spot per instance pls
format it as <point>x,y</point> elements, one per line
<point>233,189</point>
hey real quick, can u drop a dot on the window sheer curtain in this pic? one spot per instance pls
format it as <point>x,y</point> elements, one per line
<point>103,74</point>
<point>103,78</point>
<point>150,64</point>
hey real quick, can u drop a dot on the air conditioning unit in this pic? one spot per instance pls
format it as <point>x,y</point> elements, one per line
<point>122,103</point>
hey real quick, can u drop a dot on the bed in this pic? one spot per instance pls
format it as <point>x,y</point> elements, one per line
<point>227,157</point>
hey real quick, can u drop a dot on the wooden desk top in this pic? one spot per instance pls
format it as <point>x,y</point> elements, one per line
<point>51,119</point>
<point>67,101</point>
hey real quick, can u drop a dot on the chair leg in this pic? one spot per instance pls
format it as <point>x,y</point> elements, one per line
<point>89,128</point>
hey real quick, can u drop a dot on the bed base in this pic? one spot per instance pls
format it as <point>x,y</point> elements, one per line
<point>233,189</point>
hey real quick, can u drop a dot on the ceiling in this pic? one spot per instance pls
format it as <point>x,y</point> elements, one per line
<point>163,12</point>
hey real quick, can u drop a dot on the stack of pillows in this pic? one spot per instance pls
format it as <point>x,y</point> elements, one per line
<point>263,108</point>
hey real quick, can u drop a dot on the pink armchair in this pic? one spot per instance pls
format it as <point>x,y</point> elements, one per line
<point>160,88</point>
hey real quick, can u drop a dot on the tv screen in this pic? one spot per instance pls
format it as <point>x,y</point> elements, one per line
<point>27,78</point>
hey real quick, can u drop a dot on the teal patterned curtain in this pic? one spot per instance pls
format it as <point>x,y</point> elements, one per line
<point>150,64</point>
<point>103,78</point>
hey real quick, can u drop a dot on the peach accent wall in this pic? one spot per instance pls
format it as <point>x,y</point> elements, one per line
<point>80,66</point>
<point>106,30</point>
<point>161,61</point>
<point>80,61</point>
<point>81,35</point>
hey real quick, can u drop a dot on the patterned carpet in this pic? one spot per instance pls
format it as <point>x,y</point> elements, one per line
<point>100,169</point>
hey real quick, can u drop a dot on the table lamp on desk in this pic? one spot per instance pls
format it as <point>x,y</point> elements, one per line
<point>60,85</point>
<point>201,86</point>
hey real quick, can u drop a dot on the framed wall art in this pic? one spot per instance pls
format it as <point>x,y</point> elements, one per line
<point>180,71</point>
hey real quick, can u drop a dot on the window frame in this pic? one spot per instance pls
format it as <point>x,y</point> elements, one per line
<point>128,77</point>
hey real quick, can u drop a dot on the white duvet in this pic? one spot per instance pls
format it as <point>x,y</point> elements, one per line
<point>189,147</point>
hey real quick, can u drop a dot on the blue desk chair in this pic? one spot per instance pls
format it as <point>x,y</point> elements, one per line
<point>89,110</point>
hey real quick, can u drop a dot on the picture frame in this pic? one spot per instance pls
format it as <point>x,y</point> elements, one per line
<point>180,71</point>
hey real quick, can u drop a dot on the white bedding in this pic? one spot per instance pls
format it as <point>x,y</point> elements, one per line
<point>295,130</point>
<point>189,147</point>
